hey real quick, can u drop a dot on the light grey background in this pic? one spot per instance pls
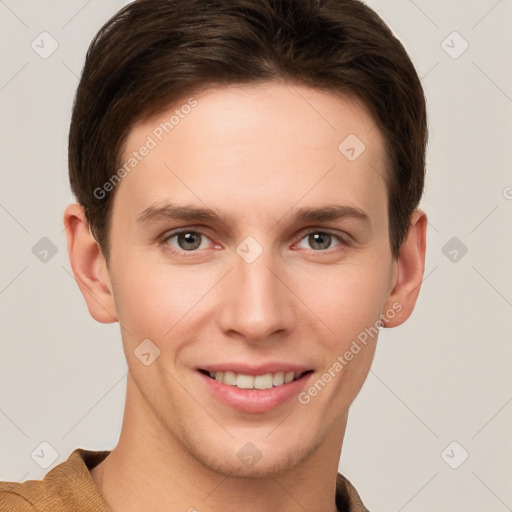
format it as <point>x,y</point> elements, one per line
<point>444,376</point>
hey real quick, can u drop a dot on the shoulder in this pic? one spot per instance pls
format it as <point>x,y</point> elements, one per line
<point>16,497</point>
<point>67,487</point>
<point>347,498</point>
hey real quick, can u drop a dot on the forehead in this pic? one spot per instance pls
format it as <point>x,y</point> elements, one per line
<point>264,145</point>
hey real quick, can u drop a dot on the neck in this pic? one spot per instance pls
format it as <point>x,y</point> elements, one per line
<point>150,469</point>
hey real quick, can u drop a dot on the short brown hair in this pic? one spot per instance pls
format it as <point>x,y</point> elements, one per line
<point>155,52</point>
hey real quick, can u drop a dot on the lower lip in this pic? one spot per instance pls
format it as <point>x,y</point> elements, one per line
<point>255,400</point>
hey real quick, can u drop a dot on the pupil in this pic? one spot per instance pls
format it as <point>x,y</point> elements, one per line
<point>189,242</point>
<point>321,239</point>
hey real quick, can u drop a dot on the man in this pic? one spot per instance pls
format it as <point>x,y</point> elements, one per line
<point>247,175</point>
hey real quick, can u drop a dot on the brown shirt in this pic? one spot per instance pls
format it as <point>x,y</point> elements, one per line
<point>69,487</point>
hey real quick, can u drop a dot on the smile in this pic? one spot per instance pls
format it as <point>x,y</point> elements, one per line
<point>244,381</point>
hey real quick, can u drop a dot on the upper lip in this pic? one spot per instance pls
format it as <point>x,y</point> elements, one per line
<point>253,369</point>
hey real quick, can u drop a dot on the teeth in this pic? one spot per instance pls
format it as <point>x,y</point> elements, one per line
<point>229,378</point>
<point>278,379</point>
<point>244,381</point>
<point>288,377</point>
<point>263,381</point>
<point>266,381</point>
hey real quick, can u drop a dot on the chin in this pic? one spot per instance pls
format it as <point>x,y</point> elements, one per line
<point>249,461</point>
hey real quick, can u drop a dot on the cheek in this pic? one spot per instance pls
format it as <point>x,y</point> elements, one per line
<point>139,302</point>
<point>346,299</point>
<point>351,308</point>
<point>152,300</point>
<point>348,304</point>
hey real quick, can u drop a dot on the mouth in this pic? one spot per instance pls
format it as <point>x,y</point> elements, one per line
<point>258,390</point>
<point>257,382</point>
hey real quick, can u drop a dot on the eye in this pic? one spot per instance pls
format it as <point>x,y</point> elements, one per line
<point>322,240</point>
<point>186,241</point>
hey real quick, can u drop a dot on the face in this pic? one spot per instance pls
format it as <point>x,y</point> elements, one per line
<point>276,278</point>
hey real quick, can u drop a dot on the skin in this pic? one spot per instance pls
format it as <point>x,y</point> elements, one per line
<point>257,154</point>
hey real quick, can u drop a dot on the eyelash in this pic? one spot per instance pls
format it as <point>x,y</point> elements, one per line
<point>187,254</point>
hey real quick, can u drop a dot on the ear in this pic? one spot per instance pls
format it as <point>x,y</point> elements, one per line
<point>410,266</point>
<point>89,266</point>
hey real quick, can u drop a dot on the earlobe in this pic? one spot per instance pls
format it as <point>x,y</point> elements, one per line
<point>89,266</point>
<point>410,270</point>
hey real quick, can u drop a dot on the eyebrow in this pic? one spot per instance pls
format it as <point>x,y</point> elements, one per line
<point>326,213</point>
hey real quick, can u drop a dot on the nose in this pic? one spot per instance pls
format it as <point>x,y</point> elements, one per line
<point>256,304</point>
